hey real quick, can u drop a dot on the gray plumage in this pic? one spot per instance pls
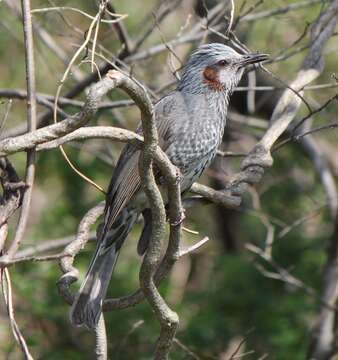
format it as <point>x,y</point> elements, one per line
<point>190,123</point>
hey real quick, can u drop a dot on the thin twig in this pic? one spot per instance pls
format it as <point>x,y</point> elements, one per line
<point>268,13</point>
<point>69,8</point>
<point>231,18</point>
<point>7,293</point>
<point>31,121</point>
<point>194,247</point>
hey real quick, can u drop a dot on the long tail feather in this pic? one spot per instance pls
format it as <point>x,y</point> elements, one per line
<point>86,309</point>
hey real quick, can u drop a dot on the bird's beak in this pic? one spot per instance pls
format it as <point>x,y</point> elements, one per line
<point>252,59</point>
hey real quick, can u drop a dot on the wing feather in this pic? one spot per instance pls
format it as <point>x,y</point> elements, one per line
<point>126,179</point>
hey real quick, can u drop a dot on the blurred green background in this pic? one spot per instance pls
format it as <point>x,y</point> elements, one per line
<point>220,293</point>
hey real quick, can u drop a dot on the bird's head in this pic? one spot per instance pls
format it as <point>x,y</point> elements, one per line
<point>215,67</point>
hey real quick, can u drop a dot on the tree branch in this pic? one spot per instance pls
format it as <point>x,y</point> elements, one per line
<point>31,121</point>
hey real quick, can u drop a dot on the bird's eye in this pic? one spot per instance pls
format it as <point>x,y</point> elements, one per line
<point>223,63</point>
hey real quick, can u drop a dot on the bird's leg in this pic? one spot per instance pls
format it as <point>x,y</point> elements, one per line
<point>180,220</point>
<point>178,178</point>
<point>179,175</point>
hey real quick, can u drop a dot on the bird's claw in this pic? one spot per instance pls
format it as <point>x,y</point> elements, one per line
<point>178,175</point>
<point>180,220</point>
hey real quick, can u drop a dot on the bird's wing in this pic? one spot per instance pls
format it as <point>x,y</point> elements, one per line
<point>126,179</point>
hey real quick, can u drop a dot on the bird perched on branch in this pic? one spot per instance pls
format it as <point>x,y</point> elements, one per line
<point>190,123</point>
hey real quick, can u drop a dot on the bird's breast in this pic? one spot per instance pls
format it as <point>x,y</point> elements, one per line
<point>196,144</point>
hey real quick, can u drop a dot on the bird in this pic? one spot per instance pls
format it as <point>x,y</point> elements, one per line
<point>190,123</point>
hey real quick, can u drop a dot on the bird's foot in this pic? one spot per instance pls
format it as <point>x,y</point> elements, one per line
<point>180,220</point>
<point>178,175</point>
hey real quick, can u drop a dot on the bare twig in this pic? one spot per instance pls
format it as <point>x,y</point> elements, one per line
<point>232,15</point>
<point>186,349</point>
<point>31,121</point>
<point>7,293</point>
<point>120,29</point>
<point>69,8</point>
<point>48,100</point>
<point>194,247</point>
<point>48,245</point>
<point>282,274</point>
<point>268,13</point>
<point>300,221</point>
<point>6,263</point>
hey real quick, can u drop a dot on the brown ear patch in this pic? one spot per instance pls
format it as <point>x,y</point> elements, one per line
<point>211,78</point>
<point>210,74</point>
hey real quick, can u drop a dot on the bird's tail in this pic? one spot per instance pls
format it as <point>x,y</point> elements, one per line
<point>86,308</point>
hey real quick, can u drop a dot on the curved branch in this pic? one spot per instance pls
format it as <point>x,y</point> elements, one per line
<point>71,250</point>
<point>167,318</point>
